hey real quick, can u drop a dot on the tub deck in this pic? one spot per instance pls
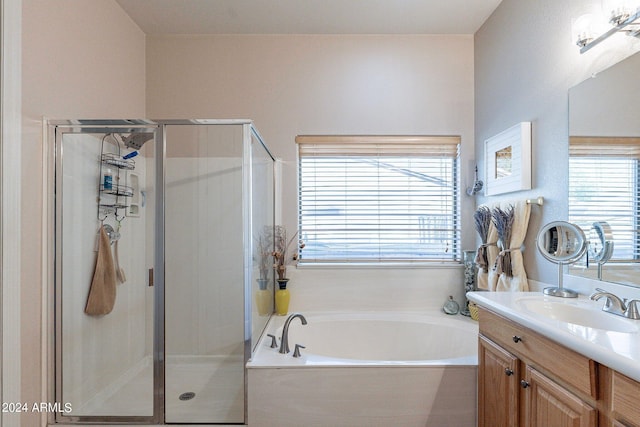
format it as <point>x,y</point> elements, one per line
<point>318,390</point>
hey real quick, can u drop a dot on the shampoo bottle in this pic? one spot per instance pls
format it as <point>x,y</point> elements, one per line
<point>107,180</point>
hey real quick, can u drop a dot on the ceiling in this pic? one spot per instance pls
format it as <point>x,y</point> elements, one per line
<point>309,16</point>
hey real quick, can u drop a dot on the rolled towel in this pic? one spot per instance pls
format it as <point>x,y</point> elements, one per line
<point>102,294</point>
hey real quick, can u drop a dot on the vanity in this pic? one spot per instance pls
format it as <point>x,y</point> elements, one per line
<point>542,361</point>
<point>556,358</point>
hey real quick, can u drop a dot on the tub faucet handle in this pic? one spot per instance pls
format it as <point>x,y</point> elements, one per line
<point>274,343</point>
<point>296,351</point>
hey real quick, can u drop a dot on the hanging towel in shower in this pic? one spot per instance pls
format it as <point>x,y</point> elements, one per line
<point>102,294</point>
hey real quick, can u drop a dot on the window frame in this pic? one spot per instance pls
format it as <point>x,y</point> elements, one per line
<point>418,146</point>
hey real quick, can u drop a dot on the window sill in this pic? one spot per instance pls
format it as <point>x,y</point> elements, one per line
<point>379,265</point>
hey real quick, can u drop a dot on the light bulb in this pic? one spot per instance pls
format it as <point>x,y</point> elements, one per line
<point>618,11</point>
<point>583,29</point>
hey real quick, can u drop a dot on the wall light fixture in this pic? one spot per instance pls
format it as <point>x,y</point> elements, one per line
<point>621,15</point>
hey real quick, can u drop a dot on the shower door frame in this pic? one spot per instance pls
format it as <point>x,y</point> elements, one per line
<point>55,129</point>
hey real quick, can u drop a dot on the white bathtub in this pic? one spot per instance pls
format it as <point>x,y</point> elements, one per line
<point>367,369</point>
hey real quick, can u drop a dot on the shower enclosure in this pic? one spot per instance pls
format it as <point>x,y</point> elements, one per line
<point>162,233</point>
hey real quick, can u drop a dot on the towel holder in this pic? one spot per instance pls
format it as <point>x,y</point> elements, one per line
<point>538,201</point>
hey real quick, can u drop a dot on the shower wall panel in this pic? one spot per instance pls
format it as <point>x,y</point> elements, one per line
<point>204,256</point>
<point>262,214</point>
<point>204,274</point>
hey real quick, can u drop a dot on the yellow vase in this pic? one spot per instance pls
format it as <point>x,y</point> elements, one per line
<point>263,302</point>
<point>282,298</point>
<point>263,298</point>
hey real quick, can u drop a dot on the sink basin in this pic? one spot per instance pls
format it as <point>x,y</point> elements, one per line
<point>578,313</point>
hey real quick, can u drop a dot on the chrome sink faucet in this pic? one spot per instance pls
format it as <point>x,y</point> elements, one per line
<point>616,305</point>
<point>284,341</point>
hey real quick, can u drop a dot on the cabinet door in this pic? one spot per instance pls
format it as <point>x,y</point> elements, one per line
<point>498,373</point>
<point>625,400</point>
<point>549,405</point>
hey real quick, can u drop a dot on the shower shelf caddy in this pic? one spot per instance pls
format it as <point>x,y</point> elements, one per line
<point>116,161</point>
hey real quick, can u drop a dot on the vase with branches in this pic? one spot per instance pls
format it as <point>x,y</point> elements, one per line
<point>264,255</point>
<point>283,257</point>
<point>281,253</point>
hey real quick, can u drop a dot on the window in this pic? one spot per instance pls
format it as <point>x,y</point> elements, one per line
<point>603,186</point>
<point>378,198</point>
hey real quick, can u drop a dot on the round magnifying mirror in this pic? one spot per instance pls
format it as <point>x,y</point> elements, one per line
<point>562,243</point>
<point>600,242</point>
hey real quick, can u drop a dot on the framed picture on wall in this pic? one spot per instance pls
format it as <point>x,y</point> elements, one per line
<point>507,159</point>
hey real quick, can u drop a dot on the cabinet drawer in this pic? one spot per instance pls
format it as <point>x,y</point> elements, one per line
<point>624,402</point>
<point>542,353</point>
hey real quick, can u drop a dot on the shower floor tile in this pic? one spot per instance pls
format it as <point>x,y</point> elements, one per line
<point>216,381</point>
<point>218,384</point>
<point>128,395</point>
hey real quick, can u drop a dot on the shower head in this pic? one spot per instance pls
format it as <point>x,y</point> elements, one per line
<point>136,140</point>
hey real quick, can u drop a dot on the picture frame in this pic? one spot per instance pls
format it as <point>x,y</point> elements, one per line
<point>507,159</point>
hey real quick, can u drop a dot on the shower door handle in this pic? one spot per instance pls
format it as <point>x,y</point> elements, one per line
<point>151,277</point>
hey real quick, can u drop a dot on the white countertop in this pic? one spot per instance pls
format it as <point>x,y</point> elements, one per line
<point>617,350</point>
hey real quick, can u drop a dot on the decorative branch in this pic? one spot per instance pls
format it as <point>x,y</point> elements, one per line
<point>282,246</point>
<point>265,252</point>
<point>503,221</point>
<point>482,219</point>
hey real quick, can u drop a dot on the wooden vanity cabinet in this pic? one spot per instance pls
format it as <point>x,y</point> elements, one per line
<point>625,401</point>
<point>525,379</point>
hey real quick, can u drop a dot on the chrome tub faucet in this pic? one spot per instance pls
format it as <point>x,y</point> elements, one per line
<point>284,341</point>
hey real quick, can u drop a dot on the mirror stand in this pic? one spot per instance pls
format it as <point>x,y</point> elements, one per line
<point>560,290</point>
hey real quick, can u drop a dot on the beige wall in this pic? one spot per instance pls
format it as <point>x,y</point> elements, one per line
<point>525,63</point>
<point>80,60</point>
<point>318,84</point>
<point>327,84</point>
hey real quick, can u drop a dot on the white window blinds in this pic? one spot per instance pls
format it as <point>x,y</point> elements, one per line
<point>603,186</point>
<point>378,198</point>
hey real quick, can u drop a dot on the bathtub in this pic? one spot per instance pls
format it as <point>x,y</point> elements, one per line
<point>367,369</point>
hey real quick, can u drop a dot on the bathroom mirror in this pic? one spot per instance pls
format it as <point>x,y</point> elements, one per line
<point>604,165</point>
<point>562,243</point>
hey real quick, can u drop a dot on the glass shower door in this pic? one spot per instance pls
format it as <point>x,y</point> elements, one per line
<point>204,277</point>
<point>104,316</point>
